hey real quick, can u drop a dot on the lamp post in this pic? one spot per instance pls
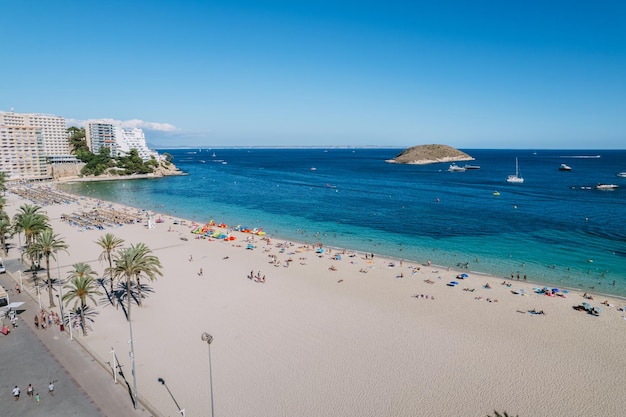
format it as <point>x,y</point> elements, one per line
<point>60,294</point>
<point>208,339</point>
<point>132,361</point>
<point>37,286</point>
<point>180,410</point>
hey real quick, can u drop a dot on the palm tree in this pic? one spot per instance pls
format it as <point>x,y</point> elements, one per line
<point>31,222</point>
<point>5,229</point>
<point>133,263</point>
<point>109,243</point>
<point>47,245</point>
<point>82,286</point>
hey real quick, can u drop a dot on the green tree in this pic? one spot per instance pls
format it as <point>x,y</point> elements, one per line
<point>81,288</point>
<point>31,222</point>
<point>77,139</point>
<point>3,182</point>
<point>109,243</point>
<point>5,230</point>
<point>135,262</point>
<point>48,245</point>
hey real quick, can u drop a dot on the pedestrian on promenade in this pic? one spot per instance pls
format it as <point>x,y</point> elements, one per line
<point>30,391</point>
<point>51,389</point>
<point>36,321</point>
<point>37,398</point>
<point>16,393</point>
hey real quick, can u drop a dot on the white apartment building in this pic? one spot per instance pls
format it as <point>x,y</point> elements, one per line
<point>22,155</point>
<point>53,129</point>
<point>120,140</point>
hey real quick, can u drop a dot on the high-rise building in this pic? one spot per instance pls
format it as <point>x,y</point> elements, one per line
<point>22,155</point>
<point>53,129</point>
<point>120,140</point>
<point>100,135</point>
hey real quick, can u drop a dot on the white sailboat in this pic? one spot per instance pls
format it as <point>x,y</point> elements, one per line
<point>517,178</point>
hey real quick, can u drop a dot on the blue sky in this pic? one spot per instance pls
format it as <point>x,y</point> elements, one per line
<point>506,74</point>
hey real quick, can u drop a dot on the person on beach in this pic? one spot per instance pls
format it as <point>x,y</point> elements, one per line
<point>30,391</point>
<point>200,273</point>
<point>16,393</point>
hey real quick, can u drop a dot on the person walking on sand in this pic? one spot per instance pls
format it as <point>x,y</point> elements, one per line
<point>16,393</point>
<point>200,273</point>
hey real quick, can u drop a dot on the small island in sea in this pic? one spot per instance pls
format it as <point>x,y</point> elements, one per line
<point>429,154</point>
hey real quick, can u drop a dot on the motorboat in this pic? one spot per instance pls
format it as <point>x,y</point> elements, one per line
<point>565,167</point>
<point>517,177</point>
<point>456,168</point>
<point>496,193</point>
<point>606,186</point>
<point>472,167</point>
<point>622,174</point>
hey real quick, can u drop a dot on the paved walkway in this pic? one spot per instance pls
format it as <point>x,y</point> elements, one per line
<point>37,357</point>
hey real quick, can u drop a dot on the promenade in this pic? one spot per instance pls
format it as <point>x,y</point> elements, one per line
<point>33,356</point>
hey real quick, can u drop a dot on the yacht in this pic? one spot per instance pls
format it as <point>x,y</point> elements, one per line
<point>565,167</point>
<point>456,168</point>
<point>606,186</point>
<point>517,177</point>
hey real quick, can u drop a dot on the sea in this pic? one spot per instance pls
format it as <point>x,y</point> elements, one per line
<point>555,228</point>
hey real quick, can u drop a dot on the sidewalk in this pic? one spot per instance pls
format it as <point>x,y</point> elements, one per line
<point>84,386</point>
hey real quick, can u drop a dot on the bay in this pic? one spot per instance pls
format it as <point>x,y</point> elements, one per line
<point>555,228</point>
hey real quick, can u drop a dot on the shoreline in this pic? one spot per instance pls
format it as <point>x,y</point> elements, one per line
<point>316,336</point>
<point>538,282</point>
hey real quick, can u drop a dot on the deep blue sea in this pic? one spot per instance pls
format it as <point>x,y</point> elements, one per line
<point>550,228</point>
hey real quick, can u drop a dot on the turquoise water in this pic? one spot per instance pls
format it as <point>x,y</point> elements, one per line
<point>551,228</point>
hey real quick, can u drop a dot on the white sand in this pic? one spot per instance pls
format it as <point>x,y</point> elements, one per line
<point>304,344</point>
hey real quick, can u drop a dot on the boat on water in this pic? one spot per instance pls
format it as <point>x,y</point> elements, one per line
<point>565,167</point>
<point>517,177</point>
<point>606,186</point>
<point>496,193</point>
<point>622,174</point>
<point>456,168</point>
<point>471,166</point>
<point>313,169</point>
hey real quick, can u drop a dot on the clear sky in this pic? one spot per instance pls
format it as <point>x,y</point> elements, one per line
<point>501,74</point>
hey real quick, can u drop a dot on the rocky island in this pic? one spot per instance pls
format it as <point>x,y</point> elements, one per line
<point>429,154</point>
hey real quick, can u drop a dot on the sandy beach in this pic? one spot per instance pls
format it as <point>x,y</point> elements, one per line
<point>356,336</point>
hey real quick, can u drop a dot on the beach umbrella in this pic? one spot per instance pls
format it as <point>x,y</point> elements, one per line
<point>453,283</point>
<point>464,276</point>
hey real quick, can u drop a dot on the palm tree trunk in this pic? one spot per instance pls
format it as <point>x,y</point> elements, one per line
<point>112,279</point>
<point>49,282</point>
<point>82,317</point>
<point>128,295</point>
<point>138,292</point>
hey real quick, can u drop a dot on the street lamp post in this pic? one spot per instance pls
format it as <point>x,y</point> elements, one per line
<point>180,410</point>
<point>132,361</point>
<point>208,339</point>
<point>60,294</point>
